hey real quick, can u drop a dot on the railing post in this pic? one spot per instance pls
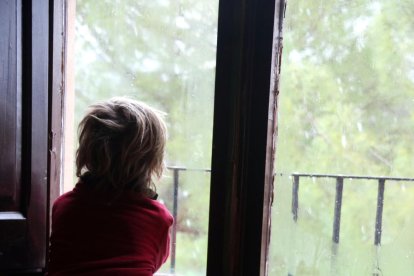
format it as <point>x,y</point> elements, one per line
<point>295,197</point>
<point>176,172</point>
<point>295,207</point>
<point>336,222</point>
<point>378,224</point>
<point>337,212</point>
<point>380,205</point>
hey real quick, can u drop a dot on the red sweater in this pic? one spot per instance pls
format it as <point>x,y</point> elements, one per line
<point>93,234</point>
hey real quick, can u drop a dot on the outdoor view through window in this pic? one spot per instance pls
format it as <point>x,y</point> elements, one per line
<point>162,53</point>
<point>346,108</point>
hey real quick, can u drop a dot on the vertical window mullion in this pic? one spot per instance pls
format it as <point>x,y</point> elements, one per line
<point>243,137</point>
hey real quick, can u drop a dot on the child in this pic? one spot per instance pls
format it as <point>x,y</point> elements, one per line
<point>111,224</point>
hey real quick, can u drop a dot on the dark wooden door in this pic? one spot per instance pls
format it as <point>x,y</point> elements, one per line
<point>24,85</point>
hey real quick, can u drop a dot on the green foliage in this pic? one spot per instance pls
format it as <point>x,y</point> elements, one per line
<point>128,48</point>
<point>347,88</point>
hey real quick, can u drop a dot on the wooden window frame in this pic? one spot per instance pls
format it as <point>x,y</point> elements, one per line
<point>244,134</point>
<point>26,253</point>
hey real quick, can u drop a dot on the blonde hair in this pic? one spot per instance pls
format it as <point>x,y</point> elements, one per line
<point>121,145</point>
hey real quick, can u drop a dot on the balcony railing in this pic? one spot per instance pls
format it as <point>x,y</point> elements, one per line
<point>176,182</point>
<point>340,179</point>
<point>338,206</point>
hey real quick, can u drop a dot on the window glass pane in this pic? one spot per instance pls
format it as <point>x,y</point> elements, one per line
<point>346,108</point>
<point>162,53</point>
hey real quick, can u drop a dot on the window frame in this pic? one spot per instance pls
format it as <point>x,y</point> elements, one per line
<point>244,135</point>
<point>26,251</point>
<point>246,89</point>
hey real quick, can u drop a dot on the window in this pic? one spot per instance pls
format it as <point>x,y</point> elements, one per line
<point>126,48</point>
<point>242,133</point>
<point>343,188</point>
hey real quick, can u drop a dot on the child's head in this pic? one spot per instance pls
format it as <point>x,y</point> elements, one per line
<point>121,144</point>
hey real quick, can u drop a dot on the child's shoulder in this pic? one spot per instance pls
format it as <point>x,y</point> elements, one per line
<point>161,209</point>
<point>62,203</point>
<point>62,198</point>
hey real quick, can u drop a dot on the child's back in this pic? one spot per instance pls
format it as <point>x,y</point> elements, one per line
<point>110,225</point>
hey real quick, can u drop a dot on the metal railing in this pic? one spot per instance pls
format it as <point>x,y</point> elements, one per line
<point>176,180</point>
<point>295,206</point>
<point>338,206</point>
